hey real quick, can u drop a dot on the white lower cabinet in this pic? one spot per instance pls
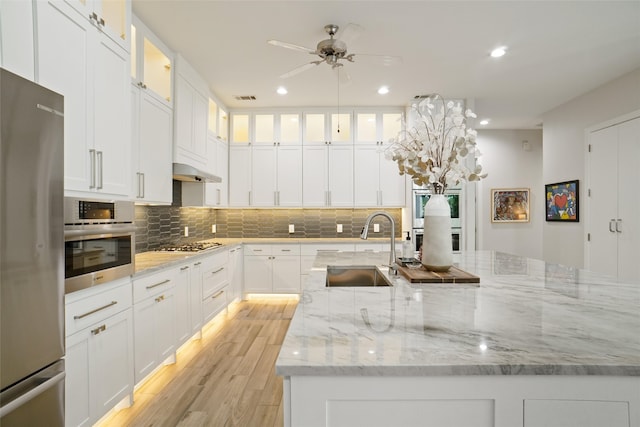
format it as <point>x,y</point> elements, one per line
<point>183,307</point>
<point>215,284</point>
<point>272,268</point>
<point>99,352</point>
<point>154,314</point>
<point>236,268</point>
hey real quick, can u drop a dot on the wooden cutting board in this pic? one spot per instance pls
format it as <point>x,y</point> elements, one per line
<point>454,275</point>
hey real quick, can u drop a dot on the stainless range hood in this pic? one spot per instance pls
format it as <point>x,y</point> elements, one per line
<point>183,172</point>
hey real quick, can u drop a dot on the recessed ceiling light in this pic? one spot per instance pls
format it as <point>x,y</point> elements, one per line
<point>383,90</point>
<point>484,122</point>
<point>282,90</point>
<point>498,52</point>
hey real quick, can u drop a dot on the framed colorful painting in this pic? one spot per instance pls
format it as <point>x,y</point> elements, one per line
<point>510,205</point>
<point>562,201</point>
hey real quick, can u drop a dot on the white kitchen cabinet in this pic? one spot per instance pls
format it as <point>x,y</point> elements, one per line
<point>614,216</point>
<point>276,176</point>
<point>327,176</point>
<point>191,114</point>
<point>272,268</point>
<point>373,127</point>
<point>240,175</point>
<point>215,285</point>
<point>111,17</point>
<point>152,125</point>
<point>91,71</point>
<point>323,128</point>
<point>376,179</point>
<point>16,38</point>
<point>151,64</point>
<point>154,314</point>
<point>213,194</point>
<point>236,268</point>
<point>183,304</point>
<point>265,128</point>
<point>99,352</point>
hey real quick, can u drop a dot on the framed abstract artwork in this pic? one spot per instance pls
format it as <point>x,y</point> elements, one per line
<point>510,205</point>
<point>562,201</point>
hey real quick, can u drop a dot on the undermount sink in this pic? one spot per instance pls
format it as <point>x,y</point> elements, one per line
<point>350,275</point>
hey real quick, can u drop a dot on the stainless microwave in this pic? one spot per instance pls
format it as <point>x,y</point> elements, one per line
<point>99,242</point>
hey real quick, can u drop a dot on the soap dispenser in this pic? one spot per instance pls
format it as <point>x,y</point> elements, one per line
<point>407,247</point>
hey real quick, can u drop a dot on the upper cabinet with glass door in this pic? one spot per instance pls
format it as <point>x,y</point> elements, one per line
<point>327,128</point>
<point>376,127</point>
<point>151,63</point>
<point>112,17</point>
<point>264,128</point>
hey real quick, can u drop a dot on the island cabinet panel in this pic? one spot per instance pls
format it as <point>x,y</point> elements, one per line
<point>458,400</point>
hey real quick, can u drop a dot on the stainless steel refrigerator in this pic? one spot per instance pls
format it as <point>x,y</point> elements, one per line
<point>31,254</point>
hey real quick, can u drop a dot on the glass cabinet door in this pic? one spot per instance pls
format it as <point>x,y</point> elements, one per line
<point>264,131</point>
<point>223,124</point>
<point>366,128</point>
<point>157,70</point>
<point>213,117</point>
<point>289,128</point>
<point>114,15</point>
<point>341,127</point>
<point>240,128</point>
<point>314,128</point>
<point>391,126</point>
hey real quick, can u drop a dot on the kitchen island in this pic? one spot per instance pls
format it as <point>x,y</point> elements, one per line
<point>536,344</point>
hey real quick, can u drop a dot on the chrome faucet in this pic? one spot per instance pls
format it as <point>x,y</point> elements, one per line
<point>393,268</point>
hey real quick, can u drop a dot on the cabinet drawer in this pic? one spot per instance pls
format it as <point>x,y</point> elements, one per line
<point>257,250</point>
<point>97,307</point>
<point>313,249</point>
<point>153,284</point>
<point>214,304</point>
<point>214,279</point>
<point>287,249</point>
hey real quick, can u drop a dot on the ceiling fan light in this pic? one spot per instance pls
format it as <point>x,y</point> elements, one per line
<point>383,90</point>
<point>282,90</point>
<point>498,52</point>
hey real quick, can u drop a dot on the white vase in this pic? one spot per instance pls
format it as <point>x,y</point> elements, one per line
<point>437,252</point>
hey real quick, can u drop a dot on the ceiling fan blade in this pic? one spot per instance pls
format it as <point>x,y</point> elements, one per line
<point>379,59</point>
<point>291,46</point>
<point>300,69</point>
<point>350,33</point>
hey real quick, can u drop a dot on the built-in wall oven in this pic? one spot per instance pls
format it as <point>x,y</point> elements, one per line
<point>99,242</point>
<point>456,237</point>
<point>420,198</point>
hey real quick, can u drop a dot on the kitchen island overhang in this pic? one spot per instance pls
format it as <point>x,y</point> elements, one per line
<point>567,333</point>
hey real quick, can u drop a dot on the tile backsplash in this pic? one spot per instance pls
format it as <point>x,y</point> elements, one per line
<point>157,226</point>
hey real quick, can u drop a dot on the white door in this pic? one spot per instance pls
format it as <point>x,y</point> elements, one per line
<point>392,184</point>
<point>286,274</point>
<point>603,212</point>
<point>628,200</point>
<point>257,274</point>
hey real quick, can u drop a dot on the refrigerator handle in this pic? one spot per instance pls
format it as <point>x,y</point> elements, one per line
<point>31,394</point>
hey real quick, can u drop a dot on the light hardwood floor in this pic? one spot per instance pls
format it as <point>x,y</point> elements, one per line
<point>225,379</point>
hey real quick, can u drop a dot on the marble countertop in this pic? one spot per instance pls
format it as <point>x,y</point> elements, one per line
<point>527,317</point>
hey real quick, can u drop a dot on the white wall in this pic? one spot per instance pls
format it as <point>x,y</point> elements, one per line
<point>509,166</point>
<point>564,155</point>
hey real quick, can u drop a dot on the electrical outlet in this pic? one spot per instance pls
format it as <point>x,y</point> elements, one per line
<point>186,231</point>
<point>214,228</point>
<point>339,228</point>
<point>376,228</point>
<point>292,228</point>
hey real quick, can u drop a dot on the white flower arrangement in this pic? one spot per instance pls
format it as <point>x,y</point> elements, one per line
<point>433,151</point>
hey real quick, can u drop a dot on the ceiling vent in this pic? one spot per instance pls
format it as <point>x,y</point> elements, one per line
<point>245,97</point>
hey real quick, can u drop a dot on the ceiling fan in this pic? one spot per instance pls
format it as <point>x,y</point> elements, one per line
<point>332,51</point>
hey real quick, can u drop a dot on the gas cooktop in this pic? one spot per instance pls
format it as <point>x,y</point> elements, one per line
<point>190,247</point>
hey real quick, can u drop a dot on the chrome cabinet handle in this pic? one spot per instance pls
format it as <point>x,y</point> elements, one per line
<point>143,185</point>
<point>99,156</point>
<point>275,198</point>
<point>197,263</point>
<point>249,197</point>
<point>89,313</point>
<point>611,225</point>
<point>158,284</point>
<point>101,22</point>
<point>160,298</point>
<point>186,267</point>
<point>218,196</point>
<point>92,183</point>
<point>99,329</point>
<point>618,229</point>
<point>217,294</point>
<point>218,270</point>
